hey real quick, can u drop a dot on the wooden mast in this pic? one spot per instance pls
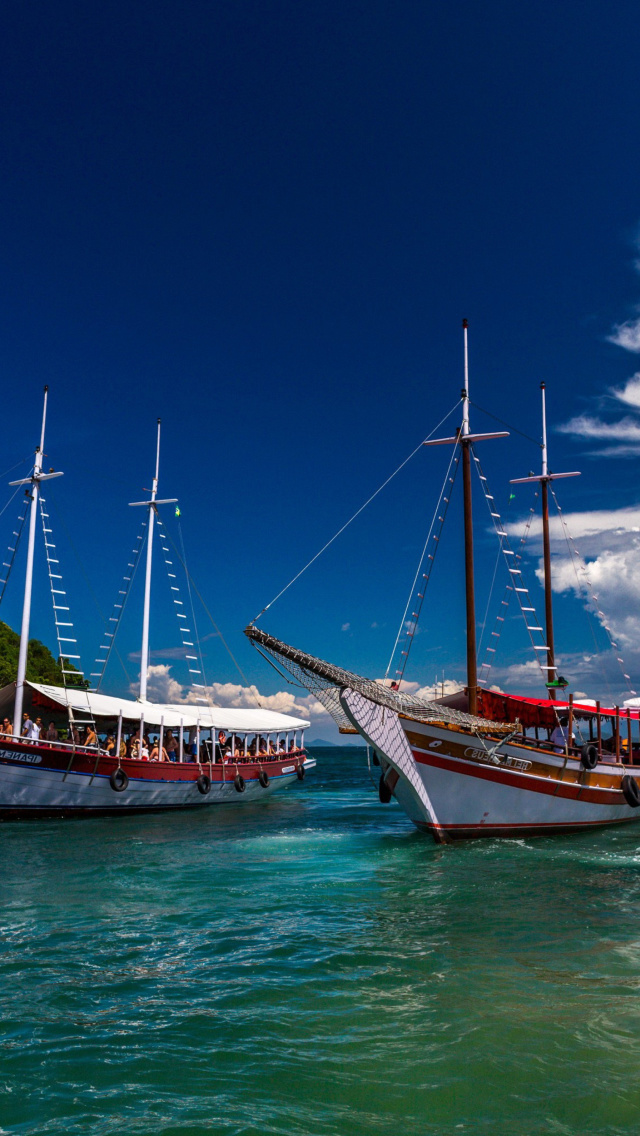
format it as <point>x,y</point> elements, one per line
<point>470,597</point>
<point>464,438</point>
<point>544,479</point>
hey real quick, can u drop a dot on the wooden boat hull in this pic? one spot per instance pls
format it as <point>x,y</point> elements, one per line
<point>458,785</point>
<point>47,781</point>
<point>472,797</point>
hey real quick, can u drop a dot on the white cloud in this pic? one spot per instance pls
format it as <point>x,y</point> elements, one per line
<point>163,688</point>
<point>627,335</point>
<point>591,523</point>
<point>609,542</point>
<point>584,426</point>
<point>435,690</point>
<point>345,627</point>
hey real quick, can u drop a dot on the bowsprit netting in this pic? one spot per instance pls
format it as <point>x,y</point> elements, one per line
<point>325,681</point>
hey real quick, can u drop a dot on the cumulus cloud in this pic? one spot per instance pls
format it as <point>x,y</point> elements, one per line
<point>162,687</point>
<point>436,690</point>
<point>607,583</point>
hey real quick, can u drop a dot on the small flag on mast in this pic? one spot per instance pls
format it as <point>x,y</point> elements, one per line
<point>177,510</point>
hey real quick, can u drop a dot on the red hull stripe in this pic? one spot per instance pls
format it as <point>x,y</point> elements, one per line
<point>461,831</point>
<point>523,781</point>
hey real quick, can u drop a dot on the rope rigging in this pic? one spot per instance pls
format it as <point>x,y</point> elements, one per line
<point>192,584</point>
<point>356,514</point>
<point>192,661</point>
<point>117,610</point>
<point>13,550</point>
<point>74,677</point>
<point>517,585</point>
<point>483,676</point>
<point>410,627</point>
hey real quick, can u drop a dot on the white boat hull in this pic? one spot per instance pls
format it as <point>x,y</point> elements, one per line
<point>36,783</point>
<point>453,786</point>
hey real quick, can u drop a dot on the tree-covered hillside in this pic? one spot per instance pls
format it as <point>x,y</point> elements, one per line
<point>41,665</point>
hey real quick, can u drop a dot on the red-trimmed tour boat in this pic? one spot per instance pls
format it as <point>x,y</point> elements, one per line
<point>262,751</point>
<point>476,764</point>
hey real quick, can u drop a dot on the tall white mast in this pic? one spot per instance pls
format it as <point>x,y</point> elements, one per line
<point>34,481</point>
<point>151,506</point>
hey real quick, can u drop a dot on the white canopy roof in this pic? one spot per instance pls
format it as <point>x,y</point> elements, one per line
<point>231,720</point>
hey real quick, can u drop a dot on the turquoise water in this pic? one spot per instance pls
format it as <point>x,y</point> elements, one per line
<point>314,966</point>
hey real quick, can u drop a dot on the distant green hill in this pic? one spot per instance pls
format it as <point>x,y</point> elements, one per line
<point>41,665</point>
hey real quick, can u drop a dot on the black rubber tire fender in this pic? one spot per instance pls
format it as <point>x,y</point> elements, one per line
<point>204,784</point>
<point>238,783</point>
<point>630,791</point>
<point>300,772</point>
<point>118,780</point>
<point>384,792</point>
<point>263,778</point>
<point>589,756</point>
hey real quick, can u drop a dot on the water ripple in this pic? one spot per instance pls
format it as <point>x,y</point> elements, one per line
<point>316,968</point>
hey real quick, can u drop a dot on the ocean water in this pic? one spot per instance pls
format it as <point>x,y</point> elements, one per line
<point>315,967</point>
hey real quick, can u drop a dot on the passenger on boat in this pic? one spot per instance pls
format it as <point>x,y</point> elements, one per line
<point>560,736</point>
<point>263,748</point>
<point>91,738</point>
<point>222,746</point>
<point>282,748</point>
<point>155,752</point>
<point>171,746</point>
<point>110,745</point>
<point>29,729</point>
<point>51,734</point>
<point>292,746</point>
<point>193,742</point>
<point>6,731</point>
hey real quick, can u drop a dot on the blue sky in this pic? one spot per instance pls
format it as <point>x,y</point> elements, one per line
<point>263,222</point>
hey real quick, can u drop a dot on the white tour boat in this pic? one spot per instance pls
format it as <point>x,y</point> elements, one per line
<point>263,750</point>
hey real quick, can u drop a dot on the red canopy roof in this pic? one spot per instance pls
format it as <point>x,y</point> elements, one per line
<point>538,711</point>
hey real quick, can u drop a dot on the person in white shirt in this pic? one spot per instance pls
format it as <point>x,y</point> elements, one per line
<point>560,736</point>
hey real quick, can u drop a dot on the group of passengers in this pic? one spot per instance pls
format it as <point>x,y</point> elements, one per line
<point>232,749</point>
<point>228,749</point>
